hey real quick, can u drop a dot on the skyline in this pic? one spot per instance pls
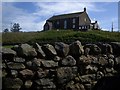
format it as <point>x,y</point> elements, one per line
<point>32,15</point>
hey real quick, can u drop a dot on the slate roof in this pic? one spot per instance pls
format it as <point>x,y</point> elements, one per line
<point>63,16</point>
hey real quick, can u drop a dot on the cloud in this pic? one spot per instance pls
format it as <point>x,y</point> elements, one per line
<point>64,7</point>
<point>59,1</point>
<point>27,21</point>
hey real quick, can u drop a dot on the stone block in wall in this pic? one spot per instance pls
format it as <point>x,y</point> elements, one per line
<point>14,73</point>
<point>49,50</point>
<point>110,63</point>
<point>4,73</point>
<point>76,49</point>
<point>56,59</point>
<point>88,78</point>
<point>26,74</point>
<point>105,48</point>
<point>85,60</point>
<point>8,54</point>
<point>102,61</point>
<point>116,48</point>
<point>62,49</point>
<point>90,69</point>
<point>74,86</point>
<point>68,61</point>
<point>28,84</point>
<point>25,50</point>
<point>19,60</point>
<point>34,64</point>
<point>65,74</point>
<point>40,52</point>
<point>12,83</point>
<point>92,49</point>
<point>42,73</point>
<point>49,64</point>
<point>44,83</point>
<point>15,66</point>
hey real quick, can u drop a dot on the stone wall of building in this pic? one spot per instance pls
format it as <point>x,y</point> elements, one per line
<point>61,67</point>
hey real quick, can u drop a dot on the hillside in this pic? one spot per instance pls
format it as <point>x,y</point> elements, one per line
<point>62,35</point>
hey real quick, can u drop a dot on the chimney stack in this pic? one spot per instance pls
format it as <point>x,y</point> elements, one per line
<point>84,9</point>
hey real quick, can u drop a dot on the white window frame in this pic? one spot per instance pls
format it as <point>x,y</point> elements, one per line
<point>73,26</point>
<point>73,20</point>
<point>65,24</point>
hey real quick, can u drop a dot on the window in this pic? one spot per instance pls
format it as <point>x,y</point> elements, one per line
<point>73,20</point>
<point>58,22</point>
<point>80,27</point>
<point>85,19</point>
<point>65,24</point>
<point>73,26</point>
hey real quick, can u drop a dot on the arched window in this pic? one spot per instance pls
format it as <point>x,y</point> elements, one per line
<point>65,24</point>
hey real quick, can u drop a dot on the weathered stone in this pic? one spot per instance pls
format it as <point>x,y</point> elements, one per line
<point>26,74</point>
<point>28,84</point>
<point>68,61</point>
<point>34,64</point>
<point>87,51</point>
<point>109,70</point>
<point>74,86</point>
<point>62,49</point>
<point>117,64</point>
<point>8,51</point>
<point>25,50</point>
<point>94,61</point>
<point>116,48</point>
<point>86,79</point>
<point>16,66</point>
<point>56,58</point>
<point>91,69</point>
<point>65,74</point>
<point>14,73</point>
<point>99,75</point>
<point>45,84</point>
<point>76,49</point>
<point>92,49</point>
<point>19,60</point>
<point>8,54</point>
<point>106,48</point>
<point>110,62</point>
<point>49,63</point>
<point>117,61</point>
<point>39,50</point>
<point>49,50</point>
<point>110,56</point>
<point>4,73</point>
<point>88,86</point>
<point>102,61</point>
<point>42,73</point>
<point>12,84</point>
<point>3,66</point>
<point>85,60</point>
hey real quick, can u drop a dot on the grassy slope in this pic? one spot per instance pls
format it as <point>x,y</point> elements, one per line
<point>63,35</point>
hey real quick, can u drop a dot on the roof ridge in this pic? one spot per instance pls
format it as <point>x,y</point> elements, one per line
<point>68,14</point>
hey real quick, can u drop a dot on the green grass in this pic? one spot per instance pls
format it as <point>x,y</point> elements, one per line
<point>62,35</point>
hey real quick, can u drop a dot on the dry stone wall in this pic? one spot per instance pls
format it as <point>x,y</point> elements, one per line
<point>61,67</point>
